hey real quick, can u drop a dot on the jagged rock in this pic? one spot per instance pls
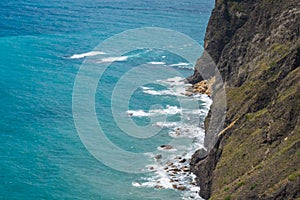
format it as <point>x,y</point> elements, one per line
<point>201,87</point>
<point>187,93</point>
<point>158,187</point>
<point>151,168</point>
<point>166,146</point>
<point>181,187</point>
<point>174,170</point>
<point>256,48</point>
<point>169,163</point>
<point>195,78</point>
<point>185,169</point>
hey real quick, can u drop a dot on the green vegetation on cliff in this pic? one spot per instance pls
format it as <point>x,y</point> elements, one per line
<point>256,46</point>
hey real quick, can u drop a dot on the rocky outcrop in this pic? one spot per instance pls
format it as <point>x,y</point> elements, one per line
<point>256,47</point>
<point>202,87</point>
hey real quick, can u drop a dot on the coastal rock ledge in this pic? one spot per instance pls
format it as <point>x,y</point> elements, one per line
<point>256,47</point>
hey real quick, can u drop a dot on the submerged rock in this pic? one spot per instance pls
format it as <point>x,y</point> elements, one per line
<point>188,93</point>
<point>166,146</point>
<point>158,187</point>
<point>181,187</point>
<point>185,169</point>
<point>169,163</point>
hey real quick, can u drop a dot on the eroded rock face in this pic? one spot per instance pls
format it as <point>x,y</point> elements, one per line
<point>202,165</point>
<point>256,47</point>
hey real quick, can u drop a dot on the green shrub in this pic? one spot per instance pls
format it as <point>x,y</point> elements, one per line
<point>253,186</point>
<point>227,198</point>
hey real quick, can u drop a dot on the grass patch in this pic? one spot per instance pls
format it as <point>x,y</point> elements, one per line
<point>240,183</point>
<point>280,49</point>
<point>235,6</point>
<point>293,177</point>
<point>289,92</point>
<point>227,197</point>
<point>253,116</point>
<point>253,186</point>
<point>272,64</point>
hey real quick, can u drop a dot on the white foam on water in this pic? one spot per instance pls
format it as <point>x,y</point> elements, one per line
<point>87,54</point>
<point>135,184</point>
<point>204,98</point>
<point>176,87</point>
<point>169,110</point>
<point>137,113</point>
<point>177,80</point>
<point>195,112</point>
<point>146,88</point>
<point>160,92</point>
<point>113,59</point>
<point>156,63</point>
<point>183,65</point>
<point>170,170</point>
<point>166,124</point>
<point>165,149</point>
<point>180,64</point>
<point>188,131</point>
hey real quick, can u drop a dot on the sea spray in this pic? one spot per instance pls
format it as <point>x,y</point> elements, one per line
<point>170,168</point>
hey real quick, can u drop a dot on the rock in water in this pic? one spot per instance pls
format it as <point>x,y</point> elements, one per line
<point>166,146</point>
<point>181,187</point>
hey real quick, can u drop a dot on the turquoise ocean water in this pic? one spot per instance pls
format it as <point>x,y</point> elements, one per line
<point>41,154</point>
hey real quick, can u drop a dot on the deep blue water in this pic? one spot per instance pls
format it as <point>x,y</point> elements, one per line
<point>41,154</point>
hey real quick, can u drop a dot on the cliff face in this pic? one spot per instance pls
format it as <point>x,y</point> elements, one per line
<point>256,47</point>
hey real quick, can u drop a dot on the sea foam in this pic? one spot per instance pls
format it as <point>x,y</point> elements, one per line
<point>156,63</point>
<point>88,54</point>
<point>183,65</point>
<point>176,87</point>
<point>169,110</point>
<point>113,59</point>
<point>170,168</point>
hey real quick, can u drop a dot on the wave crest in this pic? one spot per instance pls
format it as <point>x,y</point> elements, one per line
<point>87,54</point>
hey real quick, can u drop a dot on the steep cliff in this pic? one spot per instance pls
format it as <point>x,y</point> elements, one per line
<point>256,47</point>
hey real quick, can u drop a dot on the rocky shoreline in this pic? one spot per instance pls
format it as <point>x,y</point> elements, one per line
<point>172,165</point>
<point>202,87</point>
<point>182,167</point>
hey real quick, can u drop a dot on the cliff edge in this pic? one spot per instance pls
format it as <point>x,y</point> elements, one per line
<point>256,47</point>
